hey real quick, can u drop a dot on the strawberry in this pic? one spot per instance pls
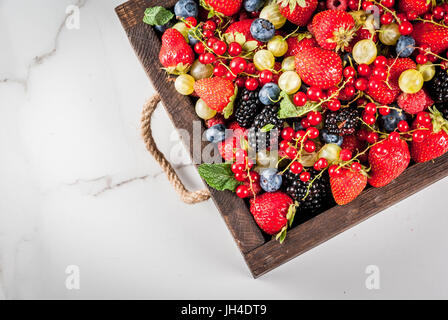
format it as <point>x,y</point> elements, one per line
<point>388,160</point>
<point>228,147</point>
<point>319,67</point>
<point>388,92</point>
<point>218,119</point>
<point>347,186</point>
<point>415,102</point>
<point>223,7</point>
<point>218,93</point>
<point>297,11</point>
<point>333,29</point>
<point>175,54</point>
<point>436,37</point>
<point>299,42</point>
<point>270,211</point>
<point>435,143</point>
<point>242,27</point>
<point>417,6</point>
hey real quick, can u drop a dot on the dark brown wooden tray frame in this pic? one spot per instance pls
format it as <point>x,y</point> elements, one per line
<point>260,255</point>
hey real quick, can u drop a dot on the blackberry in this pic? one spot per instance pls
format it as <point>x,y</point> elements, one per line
<point>343,122</point>
<point>258,138</point>
<point>318,198</point>
<point>438,90</point>
<point>247,107</point>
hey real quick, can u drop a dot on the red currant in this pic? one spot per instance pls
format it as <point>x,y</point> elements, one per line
<point>314,93</point>
<point>372,137</point>
<point>405,28</point>
<point>305,176</point>
<point>237,167</point>
<point>419,136</point>
<point>219,70</point>
<point>334,105</point>
<point>361,84</point>
<point>424,119</point>
<point>388,3</point>
<point>334,171</point>
<point>374,84</point>
<point>254,176</point>
<point>209,58</point>
<point>284,145</point>
<point>345,155</point>
<point>240,82</point>
<point>421,59</point>
<point>291,152</point>
<point>243,191</point>
<point>240,176</point>
<point>386,18</point>
<point>266,76</point>
<point>300,99</point>
<point>299,135</point>
<point>312,132</point>
<point>379,73</point>
<point>296,167</point>
<point>199,48</point>
<point>314,118</point>
<point>209,25</point>
<point>394,137</point>
<point>309,146</point>
<point>384,111</point>
<point>208,34</point>
<point>369,119</point>
<point>251,84</point>
<point>235,49</point>
<point>380,61</point>
<point>288,133</point>
<point>349,91</point>
<point>219,47</point>
<point>411,15</point>
<point>349,72</point>
<point>356,166</point>
<point>250,68</point>
<point>370,108</point>
<point>403,126</point>
<point>364,70</point>
<point>438,12</point>
<point>191,22</point>
<point>238,65</point>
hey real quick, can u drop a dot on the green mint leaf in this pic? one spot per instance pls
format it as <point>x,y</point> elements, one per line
<point>157,16</point>
<point>267,127</point>
<point>289,110</point>
<point>219,176</point>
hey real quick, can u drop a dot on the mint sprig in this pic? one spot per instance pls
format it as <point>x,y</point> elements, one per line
<point>289,110</point>
<point>157,16</point>
<point>219,176</point>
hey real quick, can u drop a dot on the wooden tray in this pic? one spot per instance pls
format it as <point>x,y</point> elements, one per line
<point>261,255</point>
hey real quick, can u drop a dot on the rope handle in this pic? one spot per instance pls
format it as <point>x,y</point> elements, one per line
<point>186,196</point>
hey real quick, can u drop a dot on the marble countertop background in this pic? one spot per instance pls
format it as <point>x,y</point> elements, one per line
<point>85,212</point>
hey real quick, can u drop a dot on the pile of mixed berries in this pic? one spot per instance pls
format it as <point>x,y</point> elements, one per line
<point>322,97</point>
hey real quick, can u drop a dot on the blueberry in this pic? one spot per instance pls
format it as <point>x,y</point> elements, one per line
<point>390,122</point>
<point>270,180</point>
<point>331,138</point>
<point>192,39</point>
<point>262,30</point>
<point>186,8</point>
<point>253,5</point>
<point>405,46</point>
<point>269,93</point>
<point>163,28</point>
<point>216,134</point>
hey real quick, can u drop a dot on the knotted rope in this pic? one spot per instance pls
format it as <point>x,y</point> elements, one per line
<point>185,195</point>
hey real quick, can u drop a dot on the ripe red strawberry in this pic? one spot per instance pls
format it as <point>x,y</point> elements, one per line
<point>388,160</point>
<point>418,6</point>
<point>175,54</point>
<point>242,27</point>
<point>270,211</point>
<point>388,93</point>
<point>218,93</point>
<point>435,143</point>
<point>228,147</point>
<point>300,42</point>
<point>415,102</point>
<point>319,67</point>
<point>238,131</point>
<point>225,7</point>
<point>347,186</point>
<point>436,37</point>
<point>333,29</point>
<point>297,11</point>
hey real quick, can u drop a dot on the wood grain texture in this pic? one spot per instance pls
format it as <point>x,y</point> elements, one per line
<point>262,256</point>
<point>181,112</point>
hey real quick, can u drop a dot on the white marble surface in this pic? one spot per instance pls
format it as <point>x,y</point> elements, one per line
<point>78,188</point>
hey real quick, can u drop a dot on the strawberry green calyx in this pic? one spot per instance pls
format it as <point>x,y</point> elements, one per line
<point>181,68</point>
<point>438,121</point>
<point>228,110</point>
<point>292,4</point>
<point>342,38</point>
<point>281,236</point>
